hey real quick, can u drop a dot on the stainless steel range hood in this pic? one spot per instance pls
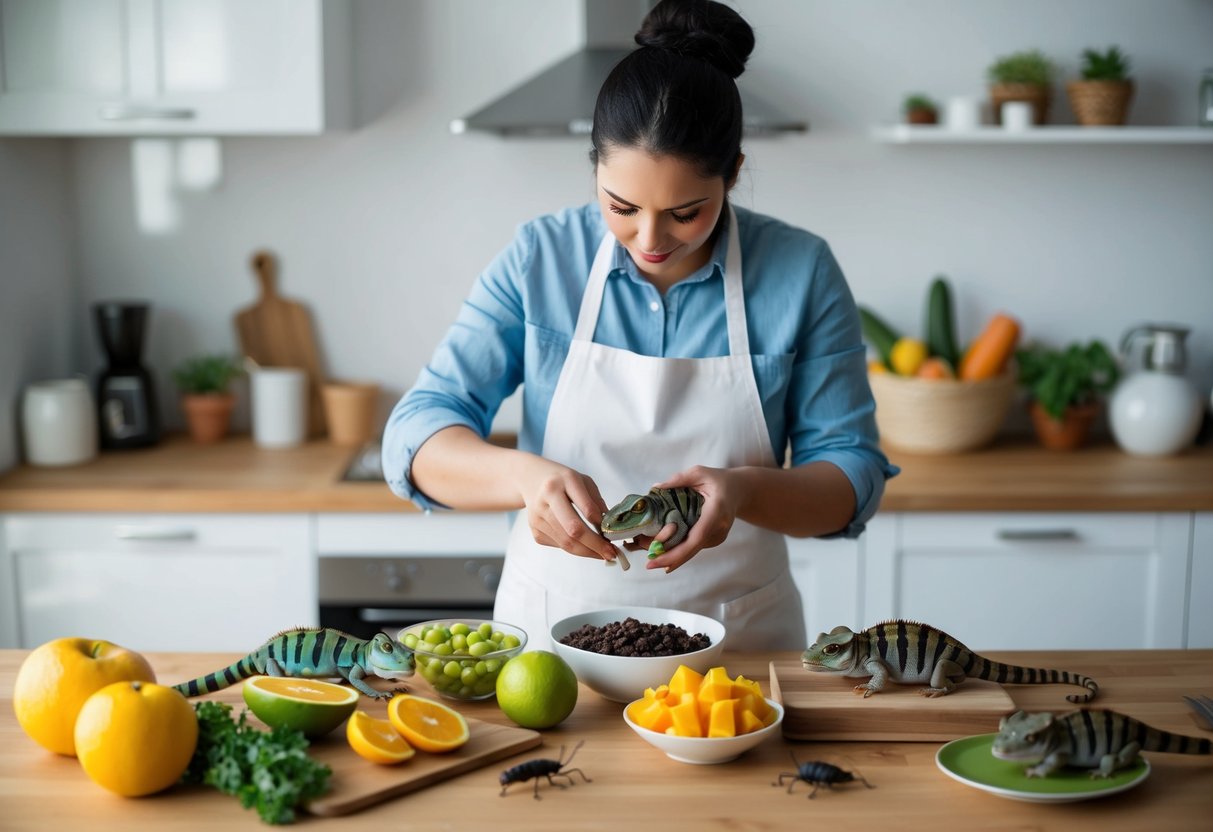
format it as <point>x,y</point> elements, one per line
<point>559,101</point>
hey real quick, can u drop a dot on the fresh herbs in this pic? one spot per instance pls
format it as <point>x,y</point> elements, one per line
<point>1060,378</point>
<point>267,770</point>
<point>1026,67</point>
<point>205,374</point>
<point>1111,65</point>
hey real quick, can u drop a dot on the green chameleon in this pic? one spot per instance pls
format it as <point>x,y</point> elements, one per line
<point>909,652</point>
<point>1096,739</point>
<point>313,652</point>
<point>652,512</point>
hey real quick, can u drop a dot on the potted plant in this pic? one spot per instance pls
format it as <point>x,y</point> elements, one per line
<point>203,381</point>
<point>1022,76</point>
<point>1066,389</point>
<point>919,109</point>
<point>1102,97</point>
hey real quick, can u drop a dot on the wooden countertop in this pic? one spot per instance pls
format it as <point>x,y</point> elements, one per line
<point>236,476</point>
<point>636,785</point>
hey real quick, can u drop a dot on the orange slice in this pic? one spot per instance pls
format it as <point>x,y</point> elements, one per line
<point>376,740</point>
<point>426,724</point>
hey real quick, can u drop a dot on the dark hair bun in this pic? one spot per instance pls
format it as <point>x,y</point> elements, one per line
<point>701,29</point>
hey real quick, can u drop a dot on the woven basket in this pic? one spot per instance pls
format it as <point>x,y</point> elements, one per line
<point>1038,96</point>
<point>1100,103</point>
<point>940,416</point>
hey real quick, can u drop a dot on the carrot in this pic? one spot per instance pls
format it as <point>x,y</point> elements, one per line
<point>991,350</point>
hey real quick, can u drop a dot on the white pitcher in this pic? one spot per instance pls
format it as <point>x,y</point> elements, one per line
<point>1154,411</point>
<point>59,422</point>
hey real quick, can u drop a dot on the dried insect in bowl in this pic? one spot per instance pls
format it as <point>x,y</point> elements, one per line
<point>818,774</point>
<point>539,767</point>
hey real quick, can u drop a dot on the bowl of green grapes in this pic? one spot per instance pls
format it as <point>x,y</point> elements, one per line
<point>461,658</point>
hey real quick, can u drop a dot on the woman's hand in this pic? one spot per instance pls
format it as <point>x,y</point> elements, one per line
<point>721,500</point>
<point>553,495</point>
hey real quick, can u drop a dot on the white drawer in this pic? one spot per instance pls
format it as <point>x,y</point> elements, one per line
<point>440,533</point>
<point>118,532</point>
<point>984,531</point>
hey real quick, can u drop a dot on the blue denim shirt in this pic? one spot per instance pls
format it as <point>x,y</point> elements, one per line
<point>516,324</point>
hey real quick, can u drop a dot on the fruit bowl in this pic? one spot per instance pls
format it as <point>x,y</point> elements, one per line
<point>461,657</point>
<point>707,750</point>
<point>623,678</point>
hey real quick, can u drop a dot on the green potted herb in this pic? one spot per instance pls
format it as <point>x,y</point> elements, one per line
<point>1022,76</point>
<point>1066,388</point>
<point>203,381</point>
<point>919,109</point>
<point>1102,97</point>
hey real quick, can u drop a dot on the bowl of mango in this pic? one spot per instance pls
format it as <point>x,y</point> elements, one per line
<point>704,718</point>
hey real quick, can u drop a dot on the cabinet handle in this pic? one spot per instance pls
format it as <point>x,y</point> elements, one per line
<point>134,112</point>
<point>154,533</point>
<point>1037,534</point>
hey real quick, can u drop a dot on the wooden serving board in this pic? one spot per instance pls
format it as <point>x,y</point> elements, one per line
<point>822,706</point>
<point>357,783</point>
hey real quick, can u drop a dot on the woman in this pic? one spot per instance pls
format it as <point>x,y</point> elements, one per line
<point>647,357</point>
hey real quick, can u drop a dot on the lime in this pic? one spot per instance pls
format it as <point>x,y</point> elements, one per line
<point>537,689</point>
<point>311,706</point>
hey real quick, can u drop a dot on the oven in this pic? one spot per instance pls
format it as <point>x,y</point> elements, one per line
<point>385,572</point>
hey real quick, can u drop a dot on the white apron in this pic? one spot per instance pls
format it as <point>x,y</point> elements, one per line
<point>628,421</point>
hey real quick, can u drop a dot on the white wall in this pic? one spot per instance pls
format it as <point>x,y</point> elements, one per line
<point>382,230</point>
<point>36,290</point>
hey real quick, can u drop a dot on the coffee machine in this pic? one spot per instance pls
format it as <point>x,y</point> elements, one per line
<point>126,397</point>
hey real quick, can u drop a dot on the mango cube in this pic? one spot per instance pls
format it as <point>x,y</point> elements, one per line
<point>685,717</point>
<point>720,722</point>
<point>716,685</point>
<point>685,680</point>
<point>659,692</point>
<point>653,714</point>
<point>748,722</point>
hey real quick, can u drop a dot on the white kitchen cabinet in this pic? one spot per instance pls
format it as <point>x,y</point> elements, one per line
<point>1200,585</point>
<point>160,582</point>
<point>828,575</point>
<point>173,67</point>
<point>1036,581</point>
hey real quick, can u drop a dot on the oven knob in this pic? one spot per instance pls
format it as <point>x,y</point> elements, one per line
<point>490,576</point>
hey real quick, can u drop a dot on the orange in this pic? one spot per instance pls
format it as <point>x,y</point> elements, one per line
<point>136,738</point>
<point>309,705</point>
<point>56,678</point>
<point>427,724</point>
<point>376,740</point>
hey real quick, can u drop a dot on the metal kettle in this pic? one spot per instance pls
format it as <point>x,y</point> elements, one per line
<point>1154,411</point>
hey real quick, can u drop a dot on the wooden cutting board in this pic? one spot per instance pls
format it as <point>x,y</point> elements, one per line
<point>277,332</point>
<point>821,706</point>
<point>357,783</point>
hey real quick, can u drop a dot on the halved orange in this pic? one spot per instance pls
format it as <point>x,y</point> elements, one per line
<point>377,740</point>
<point>427,724</point>
<point>310,705</point>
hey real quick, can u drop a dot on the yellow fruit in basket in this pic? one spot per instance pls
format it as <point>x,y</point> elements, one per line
<point>907,356</point>
<point>136,738</point>
<point>875,366</point>
<point>56,678</point>
<point>377,740</point>
<point>427,724</point>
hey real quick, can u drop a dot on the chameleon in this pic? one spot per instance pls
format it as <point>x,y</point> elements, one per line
<point>311,652</point>
<point>908,652</point>
<point>648,514</point>
<point>1095,739</point>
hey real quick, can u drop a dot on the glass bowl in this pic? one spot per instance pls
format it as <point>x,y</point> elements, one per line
<point>462,657</point>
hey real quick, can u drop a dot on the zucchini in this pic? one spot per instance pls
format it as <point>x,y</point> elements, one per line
<point>879,334</point>
<point>941,322</point>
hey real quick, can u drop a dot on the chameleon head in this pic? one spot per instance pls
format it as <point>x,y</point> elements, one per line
<point>389,659</point>
<point>630,516</point>
<point>1023,737</point>
<point>833,652</point>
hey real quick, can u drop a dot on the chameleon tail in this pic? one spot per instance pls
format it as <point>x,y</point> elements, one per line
<point>220,679</point>
<point>1155,739</point>
<point>999,672</point>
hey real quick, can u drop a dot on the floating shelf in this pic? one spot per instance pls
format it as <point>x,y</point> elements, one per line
<point>918,134</point>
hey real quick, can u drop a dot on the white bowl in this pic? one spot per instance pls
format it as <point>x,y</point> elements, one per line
<point>624,678</point>
<point>702,751</point>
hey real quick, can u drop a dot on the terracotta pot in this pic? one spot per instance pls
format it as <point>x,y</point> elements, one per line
<point>1039,96</point>
<point>922,115</point>
<point>1068,433</point>
<point>208,415</point>
<point>1100,103</point>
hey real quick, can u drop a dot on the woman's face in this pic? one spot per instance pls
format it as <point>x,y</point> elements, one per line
<point>661,210</point>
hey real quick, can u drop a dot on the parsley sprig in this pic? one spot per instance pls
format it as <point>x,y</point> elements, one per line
<point>267,770</point>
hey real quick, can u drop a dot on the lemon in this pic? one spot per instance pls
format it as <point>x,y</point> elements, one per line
<point>309,705</point>
<point>376,740</point>
<point>907,356</point>
<point>135,738</point>
<point>537,689</point>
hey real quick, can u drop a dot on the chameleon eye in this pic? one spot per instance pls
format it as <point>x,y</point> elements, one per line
<point>830,649</point>
<point>639,505</point>
<point>1030,738</point>
<point>387,647</point>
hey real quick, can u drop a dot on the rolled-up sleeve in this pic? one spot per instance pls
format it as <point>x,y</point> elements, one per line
<point>832,415</point>
<point>477,365</point>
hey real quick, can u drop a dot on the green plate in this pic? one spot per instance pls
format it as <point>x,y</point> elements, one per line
<point>971,761</point>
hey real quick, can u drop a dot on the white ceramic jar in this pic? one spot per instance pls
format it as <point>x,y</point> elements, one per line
<point>1154,414</point>
<point>279,406</point>
<point>59,422</point>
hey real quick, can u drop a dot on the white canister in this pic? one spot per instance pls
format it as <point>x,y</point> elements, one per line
<point>1016,115</point>
<point>279,406</point>
<point>962,112</point>
<point>59,422</point>
<point>1154,414</point>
